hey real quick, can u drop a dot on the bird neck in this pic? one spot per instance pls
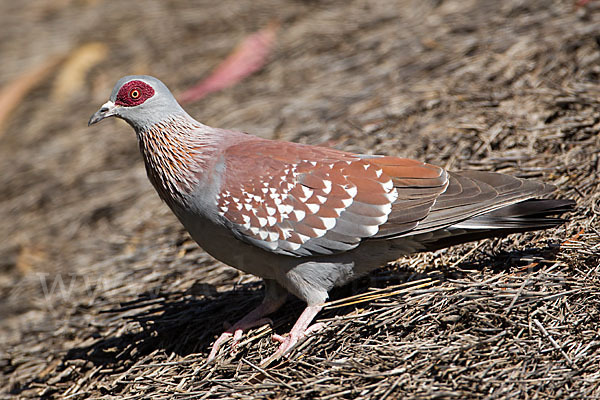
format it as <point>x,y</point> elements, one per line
<point>176,152</point>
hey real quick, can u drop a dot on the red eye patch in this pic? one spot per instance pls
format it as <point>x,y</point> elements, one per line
<point>134,93</point>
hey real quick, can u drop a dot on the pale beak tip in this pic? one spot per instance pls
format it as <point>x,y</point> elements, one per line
<point>105,111</point>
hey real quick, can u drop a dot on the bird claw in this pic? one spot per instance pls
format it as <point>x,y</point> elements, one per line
<point>287,343</point>
<point>236,331</point>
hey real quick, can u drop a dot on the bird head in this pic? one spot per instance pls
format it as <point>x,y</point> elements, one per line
<point>140,100</point>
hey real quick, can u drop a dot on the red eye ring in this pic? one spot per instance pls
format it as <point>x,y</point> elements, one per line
<point>133,93</point>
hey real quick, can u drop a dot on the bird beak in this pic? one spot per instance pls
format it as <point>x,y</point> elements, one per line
<point>107,110</point>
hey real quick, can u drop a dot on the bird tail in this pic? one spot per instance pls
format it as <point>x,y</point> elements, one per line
<point>527,215</point>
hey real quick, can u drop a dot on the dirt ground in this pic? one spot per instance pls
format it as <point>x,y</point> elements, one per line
<point>104,296</point>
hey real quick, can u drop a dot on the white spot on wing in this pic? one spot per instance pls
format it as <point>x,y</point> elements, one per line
<point>313,207</point>
<point>371,230</point>
<point>328,186</point>
<point>389,185</point>
<point>319,232</point>
<point>393,195</point>
<point>281,208</point>
<point>387,208</point>
<point>290,246</point>
<point>328,222</point>
<point>303,238</point>
<point>347,202</point>
<point>287,232</point>
<point>246,221</point>
<point>351,190</point>
<point>300,214</point>
<point>307,193</point>
<point>276,200</point>
<point>270,210</point>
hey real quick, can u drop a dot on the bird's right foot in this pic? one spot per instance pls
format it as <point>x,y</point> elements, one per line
<point>236,331</point>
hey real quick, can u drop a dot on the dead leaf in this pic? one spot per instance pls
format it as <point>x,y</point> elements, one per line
<point>248,57</point>
<point>12,94</point>
<point>72,76</point>
<point>30,257</point>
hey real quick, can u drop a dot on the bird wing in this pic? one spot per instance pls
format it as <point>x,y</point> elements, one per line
<point>473,193</point>
<point>303,200</point>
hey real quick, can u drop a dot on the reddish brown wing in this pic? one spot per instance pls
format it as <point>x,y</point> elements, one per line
<point>302,200</point>
<point>418,185</point>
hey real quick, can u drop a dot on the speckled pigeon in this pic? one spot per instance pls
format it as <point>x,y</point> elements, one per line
<point>308,218</point>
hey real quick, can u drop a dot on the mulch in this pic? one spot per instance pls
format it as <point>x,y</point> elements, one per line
<point>103,295</point>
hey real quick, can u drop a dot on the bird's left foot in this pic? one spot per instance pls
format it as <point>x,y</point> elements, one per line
<point>298,332</point>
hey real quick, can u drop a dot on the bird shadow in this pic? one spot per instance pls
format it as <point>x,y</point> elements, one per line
<point>187,323</point>
<point>174,322</point>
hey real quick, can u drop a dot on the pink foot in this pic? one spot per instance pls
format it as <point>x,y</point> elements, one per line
<point>274,299</point>
<point>299,331</point>
<point>288,342</point>
<point>236,331</point>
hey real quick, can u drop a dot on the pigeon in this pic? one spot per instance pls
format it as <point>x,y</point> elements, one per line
<point>307,218</point>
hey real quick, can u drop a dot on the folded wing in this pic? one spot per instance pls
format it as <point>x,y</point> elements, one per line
<point>302,201</point>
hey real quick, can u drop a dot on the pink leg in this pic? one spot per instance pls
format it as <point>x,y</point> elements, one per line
<point>300,329</point>
<point>275,297</point>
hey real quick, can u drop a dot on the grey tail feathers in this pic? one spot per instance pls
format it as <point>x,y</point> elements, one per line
<point>527,215</point>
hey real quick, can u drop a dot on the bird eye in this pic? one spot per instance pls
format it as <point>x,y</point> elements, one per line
<point>134,94</point>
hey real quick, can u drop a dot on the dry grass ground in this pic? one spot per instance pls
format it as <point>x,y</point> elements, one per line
<point>511,86</point>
